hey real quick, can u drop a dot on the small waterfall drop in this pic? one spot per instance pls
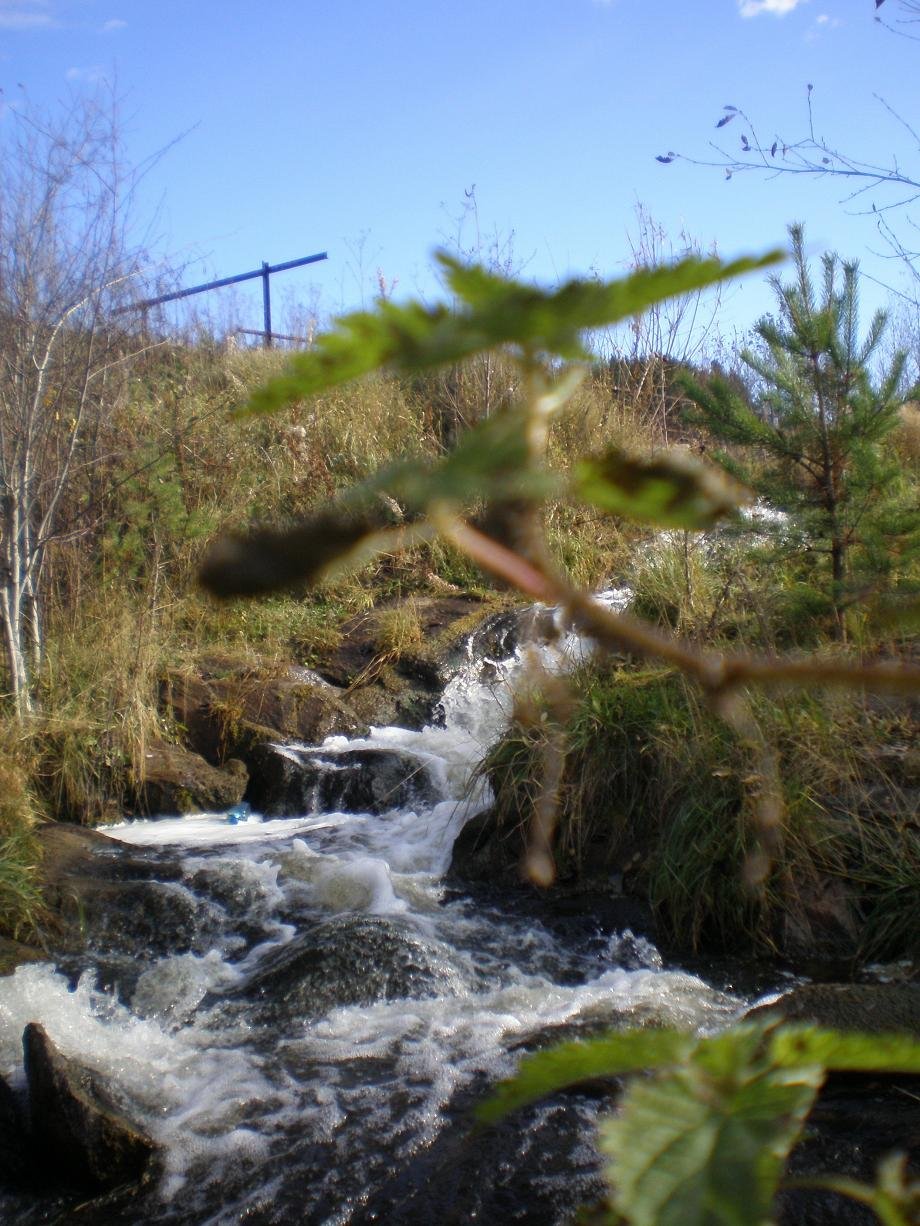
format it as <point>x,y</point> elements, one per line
<point>309,1025</point>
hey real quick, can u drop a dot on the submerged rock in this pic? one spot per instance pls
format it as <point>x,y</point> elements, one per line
<point>349,960</point>
<point>74,1119</point>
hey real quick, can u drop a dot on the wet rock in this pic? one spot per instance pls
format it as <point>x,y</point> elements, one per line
<point>74,1118</point>
<point>487,852</point>
<point>486,861</point>
<point>859,1118</point>
<point>106,895</point>
<point>349,960</point>
<point>535,1169</point>
<point>145,919</point>
<point>291,782</point>
<point>176,781</point>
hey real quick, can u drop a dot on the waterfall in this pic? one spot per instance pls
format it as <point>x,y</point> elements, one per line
<point>306,1026</point>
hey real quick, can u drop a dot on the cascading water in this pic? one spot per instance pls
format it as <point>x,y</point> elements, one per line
<point>307,1022</point>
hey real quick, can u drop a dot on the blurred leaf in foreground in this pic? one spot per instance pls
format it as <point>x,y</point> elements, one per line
<point>669,490</point>
<point>704,1140</point>
<point>612,1055</point>
<point>493,312</point>
<point>268,559</point>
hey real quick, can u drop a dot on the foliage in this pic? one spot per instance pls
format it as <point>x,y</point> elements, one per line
<point>811,443</point>
<point>704,1139</point>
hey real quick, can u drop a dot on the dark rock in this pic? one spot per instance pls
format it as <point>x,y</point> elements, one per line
<point>13,1152</point>
<point>109,896</point>
<point>875,1008</point>
<point>176,781</point>
<point>486,861</point>
<point>487,852</point>
<point>15,953</point>
<point>75,1120</point>
<point>69,853</point>
<point>859,1117</point>
<point>532,1169</point>
<point>291,782</point>
<point>144,918</point>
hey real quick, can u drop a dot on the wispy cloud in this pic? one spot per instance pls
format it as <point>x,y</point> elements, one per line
<point>779,8</point>
<point>112,26</point>
<point>26,15</point>
<point>91,75</point>
<point>823,23</point>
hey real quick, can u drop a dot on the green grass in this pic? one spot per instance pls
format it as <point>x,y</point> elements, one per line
<point>658,788</point>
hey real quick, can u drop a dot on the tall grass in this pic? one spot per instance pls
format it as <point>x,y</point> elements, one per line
<point>657,789</point>
<point>20,885</point>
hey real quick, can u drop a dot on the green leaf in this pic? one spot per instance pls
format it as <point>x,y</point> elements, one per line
<point>688,1149</point>
<point>495,311</point>
<point>670,490</point>
<point>894,1199</point>
<point>547,1071</point>
<point>794,1046</point>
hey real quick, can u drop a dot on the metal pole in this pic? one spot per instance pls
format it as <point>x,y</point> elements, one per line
<point>242,276</point>
<point>266,305</point>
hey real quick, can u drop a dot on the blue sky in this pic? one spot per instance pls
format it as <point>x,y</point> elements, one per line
<point>356,127</point>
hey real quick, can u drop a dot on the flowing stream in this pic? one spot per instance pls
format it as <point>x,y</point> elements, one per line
<point>306,1013</point>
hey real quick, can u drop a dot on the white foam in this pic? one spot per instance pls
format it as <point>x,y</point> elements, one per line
<point>213,830</point>
<point>190,1087</point>
<point>217,1091</point>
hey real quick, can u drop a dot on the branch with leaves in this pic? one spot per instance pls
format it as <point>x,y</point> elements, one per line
<point>486,495</point>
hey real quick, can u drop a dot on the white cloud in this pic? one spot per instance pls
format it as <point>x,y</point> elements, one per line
<point>25,15</point>
<point>92,75</point>
<point>779,8</point>
<point>116,23</point>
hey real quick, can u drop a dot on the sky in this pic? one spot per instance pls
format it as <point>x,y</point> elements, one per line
<point>370,130</point>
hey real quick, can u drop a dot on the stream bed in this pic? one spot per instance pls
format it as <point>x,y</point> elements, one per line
<point>303,1014</point>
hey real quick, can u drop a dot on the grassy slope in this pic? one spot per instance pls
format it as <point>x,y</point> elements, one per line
<point>176,467</point>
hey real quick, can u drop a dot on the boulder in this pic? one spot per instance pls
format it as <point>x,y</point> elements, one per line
<point>348,960</point>
<point>75,1120</point>
<point>228,710</point>
<point>175,781</point>
<point>487,852</point>
<point>859,1118</point>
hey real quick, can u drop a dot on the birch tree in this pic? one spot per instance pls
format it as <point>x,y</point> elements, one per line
<point>65,257</point>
